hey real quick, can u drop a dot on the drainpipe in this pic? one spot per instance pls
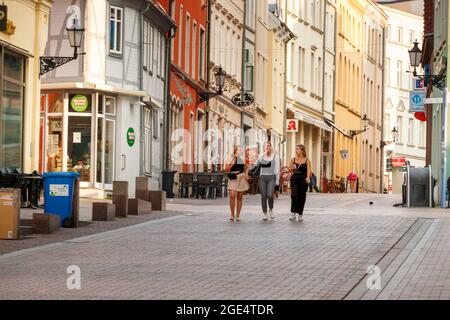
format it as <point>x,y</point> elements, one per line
<point>383,138</point>
<point>166,138</point>
<point>243,63</point>
<point>208,71</point>
<point>141,87</point>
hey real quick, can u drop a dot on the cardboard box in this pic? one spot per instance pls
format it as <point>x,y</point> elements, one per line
<point>9,213</point>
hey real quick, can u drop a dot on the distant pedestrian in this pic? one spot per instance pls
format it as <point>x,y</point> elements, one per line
<point>300,179</point>
<point>269,177</point>
<point>237,182</point>
<point>313,183</point>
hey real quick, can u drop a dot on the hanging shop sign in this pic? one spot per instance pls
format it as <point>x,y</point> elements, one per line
<point>131,137</point>
<point>3,18</point>
<point>398,162</point>
<point>416,101</point>
<point>292,125</point>
<point>79,103</point>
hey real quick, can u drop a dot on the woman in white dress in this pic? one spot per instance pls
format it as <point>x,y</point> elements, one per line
<point>237,170</point>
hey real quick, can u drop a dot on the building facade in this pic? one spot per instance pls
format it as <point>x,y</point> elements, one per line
<point>402,30</point>
<point>22,42</point>
<point>103,114</point>
<point>310,80</point>
<point>372,99</point>
<point>226,51</point>
<point>188,77</point>
<point>349,56</point>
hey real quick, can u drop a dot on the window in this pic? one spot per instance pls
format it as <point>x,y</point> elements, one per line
<point>148,141</point>
<point>11,104</point>
<point>194,49</point>
<point>301,67</point>
<point>250,13</point>
<point>155,127</point>
<point>411,37</point>
<point>388,32</point>
<point>423,134</point>
<point>400,128</point>
<point>313,78</point>
<point>249,78</point>
<point>387,127</point>
<point>400,35</point>
<point>388,71</point>
<point>180,35</point>
<point>148,46</point>
<point>187,45</point>
<point>201,55</point>
<point>115,30</point>
<point>319,77</point>
<point>290,71</point>
<point>411,132</point>
<point>399,73</point>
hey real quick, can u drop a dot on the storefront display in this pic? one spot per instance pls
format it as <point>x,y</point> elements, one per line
<point>72,140</point>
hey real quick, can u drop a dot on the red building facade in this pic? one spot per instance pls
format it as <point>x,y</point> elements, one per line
<point>187,79</point>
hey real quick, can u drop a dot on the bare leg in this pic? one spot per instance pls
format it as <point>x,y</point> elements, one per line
<point>240,196</point>
<point>232,203</point>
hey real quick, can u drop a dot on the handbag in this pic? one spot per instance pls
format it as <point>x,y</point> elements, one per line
<point>232,176</point>
<point>256,171</point>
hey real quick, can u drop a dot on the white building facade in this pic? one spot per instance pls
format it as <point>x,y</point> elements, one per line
<point>402,30</point>
<point>310,80</point>
<point>102,115</point>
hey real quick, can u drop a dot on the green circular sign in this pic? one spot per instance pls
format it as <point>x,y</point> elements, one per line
<point>131,137</point>
<point>79,103</point>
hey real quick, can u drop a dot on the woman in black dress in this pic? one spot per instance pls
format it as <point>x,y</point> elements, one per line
<point>300,167</point>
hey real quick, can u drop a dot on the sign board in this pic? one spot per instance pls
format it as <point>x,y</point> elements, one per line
<point>344,154</point>
<point>79,103</point>
<point>417,101</point>
<point>418,84</point>
<point>398,162</point>
<point>131,137</point>
<point>3,18</point>
<point>59,190</point>
<point>292,125</point>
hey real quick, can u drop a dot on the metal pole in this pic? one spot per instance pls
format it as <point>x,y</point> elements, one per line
<point>443,149</point>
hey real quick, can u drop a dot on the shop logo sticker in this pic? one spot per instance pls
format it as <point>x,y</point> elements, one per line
<point>59,190</point>
<point>131,137</point>
<point>79,103</point>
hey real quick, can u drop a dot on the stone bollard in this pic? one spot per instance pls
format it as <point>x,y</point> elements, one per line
<point>158,200</point>
<point>45,223</point>
<point>142,188</point>
<point>103,211</point>
<point>120,198</point>
<point>137,207</point>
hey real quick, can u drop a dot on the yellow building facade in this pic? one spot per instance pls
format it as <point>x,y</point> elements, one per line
<point>349,58</point>
<point>22,42</point>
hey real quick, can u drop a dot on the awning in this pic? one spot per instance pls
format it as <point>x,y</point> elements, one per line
<point>309,119</point>
<point>331,124</point>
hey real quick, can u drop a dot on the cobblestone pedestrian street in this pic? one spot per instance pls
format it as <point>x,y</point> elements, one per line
<point>199,254</point>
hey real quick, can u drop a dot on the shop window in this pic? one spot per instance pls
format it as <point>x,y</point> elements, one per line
<point>11,109</point>
<point>55,102</point>
<point>110,106</point>
<point>147,141</point>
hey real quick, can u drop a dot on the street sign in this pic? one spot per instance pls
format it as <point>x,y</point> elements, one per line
<point>3,17</point>
<point>416,101</point>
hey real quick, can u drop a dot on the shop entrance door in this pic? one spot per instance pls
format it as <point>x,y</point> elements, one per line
<point>79,149</point>
<point>106,129</point>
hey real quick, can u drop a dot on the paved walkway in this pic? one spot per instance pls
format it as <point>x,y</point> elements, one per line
<point>201,255</point>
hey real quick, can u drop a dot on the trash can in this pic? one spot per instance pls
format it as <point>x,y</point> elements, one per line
<point>168,177</point>
<point>59,195</point>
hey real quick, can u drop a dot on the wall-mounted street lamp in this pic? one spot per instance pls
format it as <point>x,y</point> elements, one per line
<point>241,99</point>
<point>394,133</point>
<point>365,126</point>
<point>220,82</point>
<point>415,57</point>
<point>75,34</point>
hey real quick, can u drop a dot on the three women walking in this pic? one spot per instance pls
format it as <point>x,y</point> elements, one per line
<point>267,169</point>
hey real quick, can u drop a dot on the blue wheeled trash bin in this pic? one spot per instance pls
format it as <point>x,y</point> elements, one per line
<point>58,195</point>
